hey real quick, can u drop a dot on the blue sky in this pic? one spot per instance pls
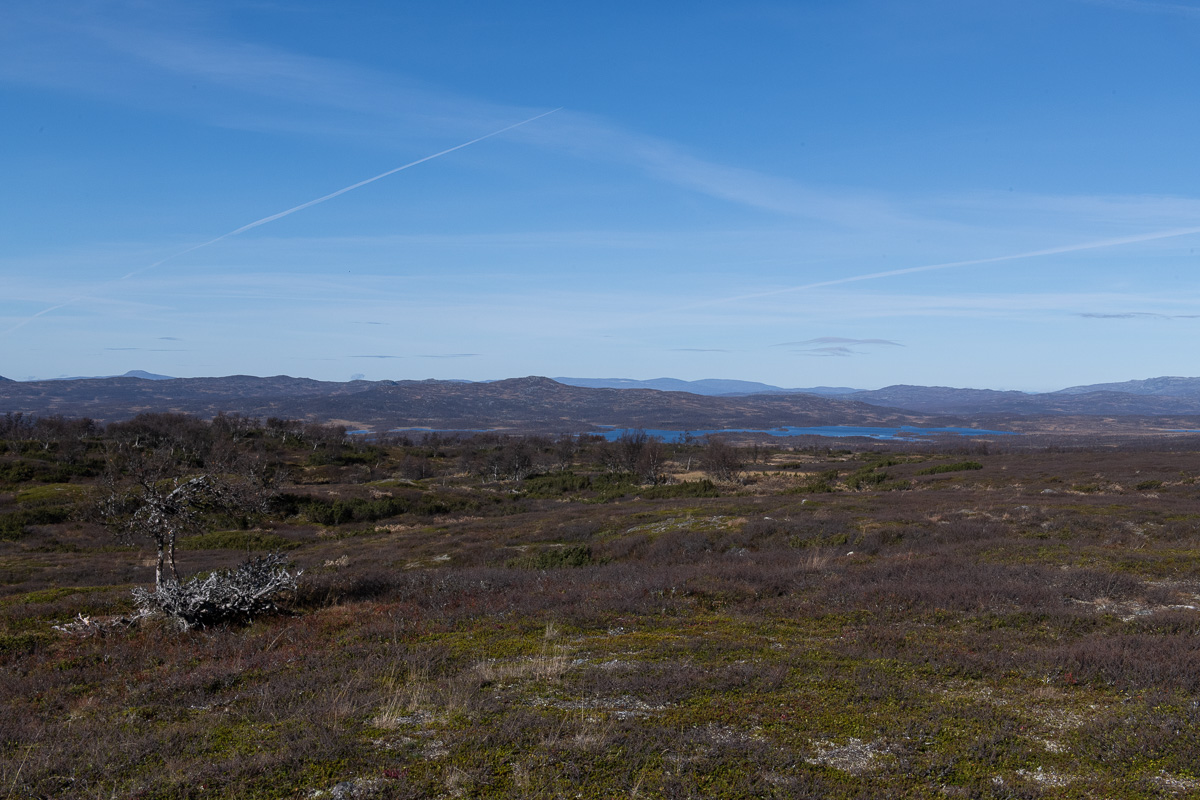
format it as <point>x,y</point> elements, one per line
<point>998,195</point>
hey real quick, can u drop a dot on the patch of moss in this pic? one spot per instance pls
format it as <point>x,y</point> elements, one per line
<point>51,493</point>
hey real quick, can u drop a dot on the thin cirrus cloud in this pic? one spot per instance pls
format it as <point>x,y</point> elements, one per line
<point>147,349</point>
<point>837,340</point>
<point>138,60</point>
<point>594,138</point>
<point>298,86</point>
<point>830,352</point>
<point>835,346</point>
<point>423,355</point>
<point>283,77</point>
<point>142,56</point>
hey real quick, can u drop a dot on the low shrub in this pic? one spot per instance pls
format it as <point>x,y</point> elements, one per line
<point>959,466</point>
<point>27,471</point>
<point>575,555</point>
<point>341,512</point>
<point>546,486</point>
<point>15,472</point>
<point>866,478</point>
<point>13,525</point>
<point>822,483</point>
<point>700,488</point>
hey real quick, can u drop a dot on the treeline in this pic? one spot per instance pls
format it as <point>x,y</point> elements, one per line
<point>163,477</point>
<point>56,449</point>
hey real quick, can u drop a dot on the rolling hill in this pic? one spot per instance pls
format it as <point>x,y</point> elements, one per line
<point>543,404</point>
<point>520,403</point>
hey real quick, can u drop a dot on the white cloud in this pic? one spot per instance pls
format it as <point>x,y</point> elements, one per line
<point>167,63</point>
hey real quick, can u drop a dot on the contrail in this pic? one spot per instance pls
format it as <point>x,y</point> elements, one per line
<point>341,191</point>
<point>1070,248</point>
<point>288,212</point>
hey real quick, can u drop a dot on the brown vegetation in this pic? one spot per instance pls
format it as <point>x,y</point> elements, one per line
<point>490,616</point>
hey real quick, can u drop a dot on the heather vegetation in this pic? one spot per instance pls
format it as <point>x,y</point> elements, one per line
<point>496,616</point>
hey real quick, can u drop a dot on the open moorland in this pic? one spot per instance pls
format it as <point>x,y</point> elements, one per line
<point>492,616</point>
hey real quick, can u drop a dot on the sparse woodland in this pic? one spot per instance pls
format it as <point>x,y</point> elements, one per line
<point>501,616</point>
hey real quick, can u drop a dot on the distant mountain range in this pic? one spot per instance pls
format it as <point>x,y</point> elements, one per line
<point>133,373</point>
<point>1163,387</point>
<point>1152,397</point>
<point>519,404</point>
<point>1077,400</point>
<point>709,386</point>
<point>586,404</point>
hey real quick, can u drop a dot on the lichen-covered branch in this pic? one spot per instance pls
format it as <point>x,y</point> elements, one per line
<point>237,595</point>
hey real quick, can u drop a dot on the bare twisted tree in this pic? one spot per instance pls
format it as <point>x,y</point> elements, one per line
<point>721,460</point>
<point>150,497</point>
<point>160,489</point>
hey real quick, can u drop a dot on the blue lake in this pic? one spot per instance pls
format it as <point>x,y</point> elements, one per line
<point>894,433</point>
<point>901,433</point>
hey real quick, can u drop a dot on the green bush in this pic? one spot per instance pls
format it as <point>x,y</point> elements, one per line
<point>823,483</point>
<point>700,488</point>
<point>14,523</point>
<point>547,486</point>
<point>575,555</point>
<point>867,477</point>
<point>435,504</point>
<point>16,472</point>
<point>956,467</point>
<point>613,486</point>
<point>336,512</point>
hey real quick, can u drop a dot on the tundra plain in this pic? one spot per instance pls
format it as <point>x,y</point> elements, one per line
<point>523,616</point>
